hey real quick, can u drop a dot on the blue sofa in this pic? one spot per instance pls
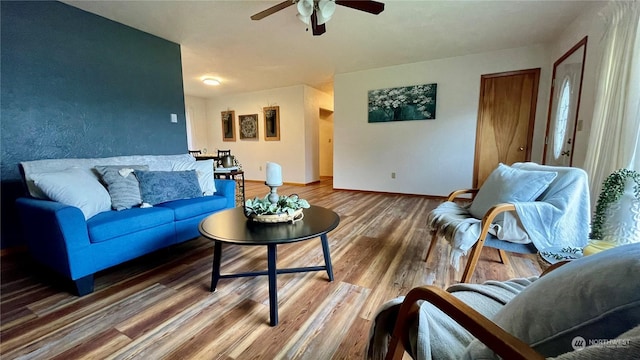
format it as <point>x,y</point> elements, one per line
<point>59,237</point>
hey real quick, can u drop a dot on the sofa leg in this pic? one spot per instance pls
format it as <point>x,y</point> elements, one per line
<point>84,285</point>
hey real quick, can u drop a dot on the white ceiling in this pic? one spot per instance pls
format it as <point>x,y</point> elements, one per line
<point>219,39</point>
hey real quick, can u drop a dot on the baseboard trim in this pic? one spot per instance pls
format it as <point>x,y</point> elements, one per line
<point>434,197</point>
<point>285,183</point>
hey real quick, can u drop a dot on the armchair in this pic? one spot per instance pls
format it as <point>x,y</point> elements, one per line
<point>591,305</point>
<point>520,208</point>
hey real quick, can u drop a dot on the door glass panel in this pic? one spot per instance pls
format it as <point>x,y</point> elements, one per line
<point>563,115</point>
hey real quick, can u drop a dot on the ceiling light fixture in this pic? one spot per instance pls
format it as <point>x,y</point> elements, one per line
<point>211,81</point>
<point>315,13</point>
<point>323,9</point>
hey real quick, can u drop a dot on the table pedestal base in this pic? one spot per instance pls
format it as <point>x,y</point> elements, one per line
<point>271,272</point>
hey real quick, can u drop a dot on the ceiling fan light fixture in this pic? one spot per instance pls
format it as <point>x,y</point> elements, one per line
<point>315,13</point>
<point>304,19</point>
<point>326,8</point>
<point>211,81</point>
<point>305,8</point>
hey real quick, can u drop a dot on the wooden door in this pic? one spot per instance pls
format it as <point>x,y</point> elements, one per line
<point>506,116</point>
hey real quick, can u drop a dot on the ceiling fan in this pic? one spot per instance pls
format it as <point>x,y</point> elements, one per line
<point>316,13</point>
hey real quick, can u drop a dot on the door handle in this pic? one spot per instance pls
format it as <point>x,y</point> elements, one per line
<point>521,148</point>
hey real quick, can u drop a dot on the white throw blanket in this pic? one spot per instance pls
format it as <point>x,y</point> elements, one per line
<point>560,217</point>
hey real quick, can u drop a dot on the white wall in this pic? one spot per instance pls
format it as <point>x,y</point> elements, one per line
<point>293,151</point>
<point>429,157</point>
<point>591,25</point>
<point>197,129</point>
<point>254,154</point>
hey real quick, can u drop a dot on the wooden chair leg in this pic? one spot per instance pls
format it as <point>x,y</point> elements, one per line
<point>503,257</point>
<point>395,350</point>
<point>434,240</point>
<point>400,341</point>
<point>473,260</point>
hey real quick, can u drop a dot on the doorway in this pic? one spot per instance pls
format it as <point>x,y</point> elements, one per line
<point>562,122</point>
<point>506,116</point>
<point>325,142</point>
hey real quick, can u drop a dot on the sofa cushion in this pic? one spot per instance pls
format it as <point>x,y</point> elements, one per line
<point>161,186</point>
<point>75,187</point>
<point>507,184</point>
<point>112,224</point>
<point>185,209</point>
<point>204,171</point>
<point>594,297</point>
<point>122,184</point>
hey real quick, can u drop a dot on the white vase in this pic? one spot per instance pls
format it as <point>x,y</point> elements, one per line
<point>622,218</point>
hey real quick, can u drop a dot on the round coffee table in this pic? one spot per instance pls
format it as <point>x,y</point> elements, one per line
<point>232,227</point>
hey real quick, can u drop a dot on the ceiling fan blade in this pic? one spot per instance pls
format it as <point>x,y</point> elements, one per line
<point>274,9</point>
<point>372,7</point>
<point>316,29</point>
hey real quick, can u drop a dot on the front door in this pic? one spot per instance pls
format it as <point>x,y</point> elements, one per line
<point>506,116</point>
<point>563,106</point>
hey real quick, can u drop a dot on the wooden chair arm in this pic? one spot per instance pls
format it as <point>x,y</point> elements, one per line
<point>502,343</point>
<point>491,214</point>
<point>553,267</point>
<point>487,220</point>
<point>457,193</point>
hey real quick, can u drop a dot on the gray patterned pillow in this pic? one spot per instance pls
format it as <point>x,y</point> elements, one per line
<point>122,184</point>
<point>161,186</point>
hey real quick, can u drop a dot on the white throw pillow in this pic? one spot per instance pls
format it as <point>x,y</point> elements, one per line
<point>204,171</point>
<point>75,187</point>
<point>507,185</point>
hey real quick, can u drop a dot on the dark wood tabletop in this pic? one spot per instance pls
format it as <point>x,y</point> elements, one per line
<point>231,226</point>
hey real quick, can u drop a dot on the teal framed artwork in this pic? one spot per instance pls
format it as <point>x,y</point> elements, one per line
<point>416,102</point>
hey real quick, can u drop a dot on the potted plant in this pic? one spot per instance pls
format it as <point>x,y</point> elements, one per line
<point>614,221</point>
<point>286,209</point>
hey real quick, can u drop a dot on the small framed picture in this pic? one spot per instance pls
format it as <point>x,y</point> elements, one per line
<point>228,126</point>
<point>271,123</point>
<point>248,126</point>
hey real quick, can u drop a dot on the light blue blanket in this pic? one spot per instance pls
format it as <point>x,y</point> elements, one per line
<point>559,217</point>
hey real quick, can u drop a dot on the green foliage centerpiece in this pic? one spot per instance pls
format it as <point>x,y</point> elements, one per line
<point>285,209</point>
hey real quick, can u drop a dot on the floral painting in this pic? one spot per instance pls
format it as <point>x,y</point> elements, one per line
<point>403,103</point>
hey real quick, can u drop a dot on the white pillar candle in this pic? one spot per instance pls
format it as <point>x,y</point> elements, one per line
<point>274,174</point>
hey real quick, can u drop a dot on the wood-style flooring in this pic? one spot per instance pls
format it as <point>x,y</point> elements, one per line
<point>159,306</point>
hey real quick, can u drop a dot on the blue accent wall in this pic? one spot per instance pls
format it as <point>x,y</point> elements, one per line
<point>74,84</point>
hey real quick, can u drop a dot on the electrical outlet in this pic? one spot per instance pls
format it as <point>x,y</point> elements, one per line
<point>174,118</point>
<point>393,175</point>
<point>261,168</point>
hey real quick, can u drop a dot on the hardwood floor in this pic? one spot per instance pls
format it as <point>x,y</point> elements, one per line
<point>160,307</point>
